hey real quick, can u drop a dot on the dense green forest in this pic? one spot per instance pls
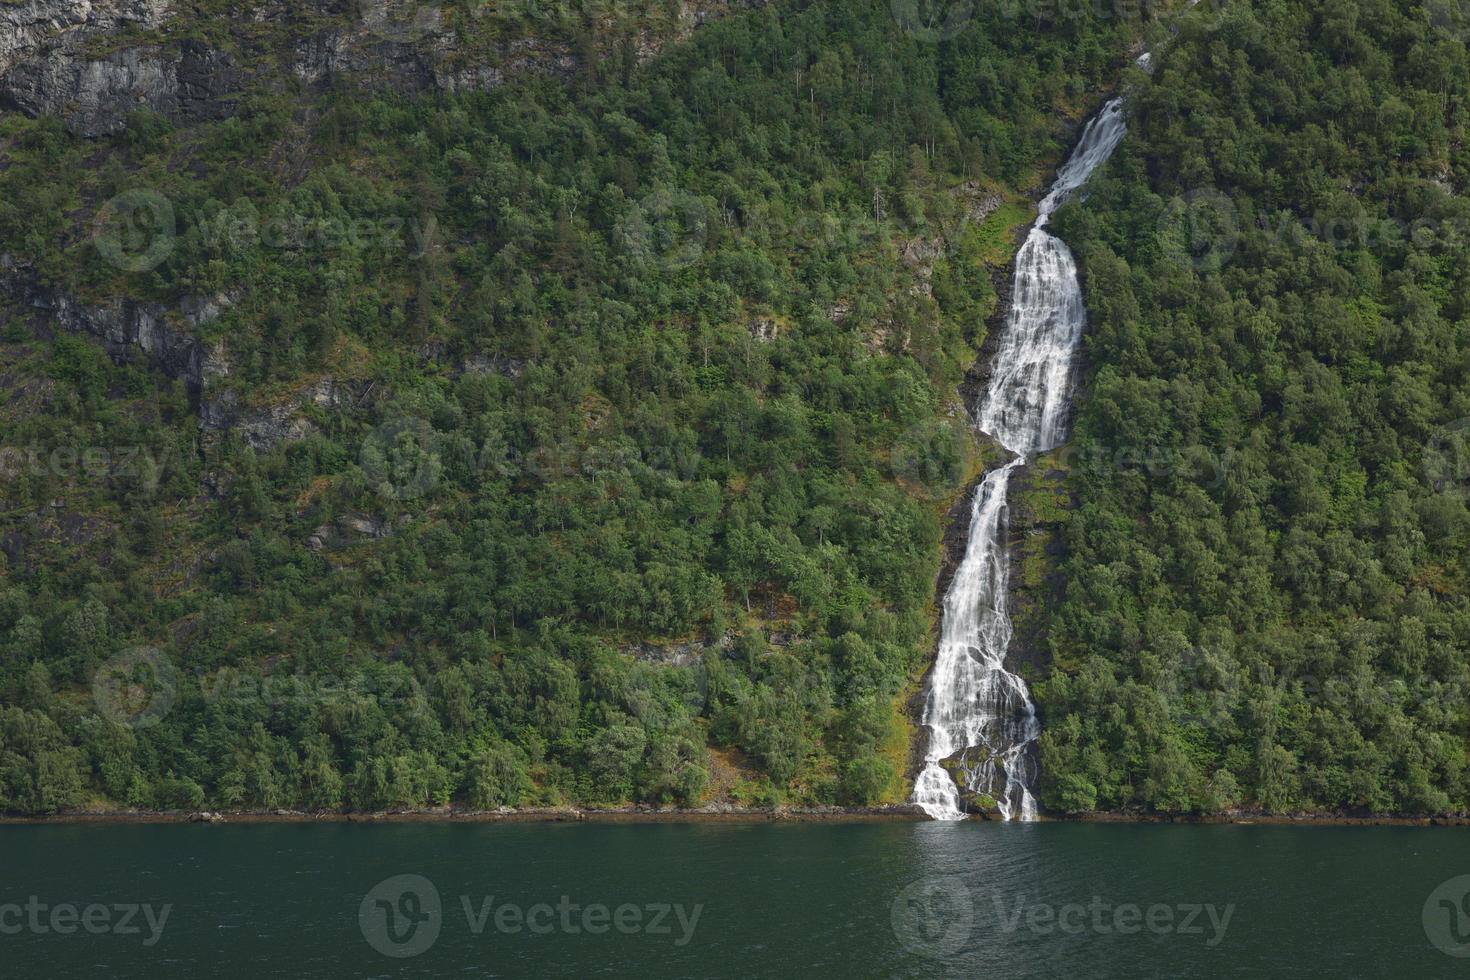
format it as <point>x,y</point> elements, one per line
<point>1265,580</point>
<point>589,439</point>
<point>595,366</point>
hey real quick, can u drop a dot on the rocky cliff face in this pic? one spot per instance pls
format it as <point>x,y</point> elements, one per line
<point>44,67</point>
<point>94,63</point>
<point>126,329</point>
<point>166,337</point>
<point>32,26</point>
<point>189,83</point>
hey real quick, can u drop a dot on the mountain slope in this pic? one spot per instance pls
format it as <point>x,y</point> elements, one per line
<point>508,446</point>
<point>1265,578</point>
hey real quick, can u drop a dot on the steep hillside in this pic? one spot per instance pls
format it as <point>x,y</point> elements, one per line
<point>379,439</point>
<point>1265,573</point>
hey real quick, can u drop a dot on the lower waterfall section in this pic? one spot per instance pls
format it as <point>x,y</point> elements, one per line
<point>980,716</point>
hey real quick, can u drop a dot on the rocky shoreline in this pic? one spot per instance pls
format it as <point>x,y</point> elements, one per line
<point>712,813</point>
<point>1246,818</point>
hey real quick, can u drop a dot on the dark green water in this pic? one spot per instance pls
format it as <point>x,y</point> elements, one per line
<point>838,900</point>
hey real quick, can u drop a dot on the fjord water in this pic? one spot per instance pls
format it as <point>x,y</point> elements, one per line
<point>974,707</point>
<point>775,900</point>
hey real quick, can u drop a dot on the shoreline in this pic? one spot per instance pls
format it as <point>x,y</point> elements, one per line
<point>904,813</point>
<point>1272,819</point>
<point>901,813</point>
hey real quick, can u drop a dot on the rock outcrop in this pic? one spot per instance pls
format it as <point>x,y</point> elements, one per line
<point>126,329</point>
<point>93,64</point>
<point>166,337</point>
<point>29,27</point>
<point>264,428</point>
<point>189,83</point>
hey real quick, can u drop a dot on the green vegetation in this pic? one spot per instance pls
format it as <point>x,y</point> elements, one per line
<point>995,238</point>
<point>1266,578</point>
<point>635,359</point>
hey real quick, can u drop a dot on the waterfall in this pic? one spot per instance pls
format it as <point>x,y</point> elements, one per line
<point>979,715</point>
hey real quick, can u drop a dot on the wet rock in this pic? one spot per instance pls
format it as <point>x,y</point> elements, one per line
<point>1041,504</point>
<point>763,330</point>
<point>962,768</point>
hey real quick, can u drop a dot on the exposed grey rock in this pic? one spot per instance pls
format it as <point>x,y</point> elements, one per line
<point>435,62</point>
<point>977,204</point>
<point>678,654</point>
<point>763,330</point>
<point>262,429</point>
<point>129,330</point>
<point>46,67</point>
<point>350,526</point>
<point>508,367</point>
<point>28,26</point>
<point>51,60</point>
<point>164,336</point>
<point>920,253</point>
<point>188,83</point>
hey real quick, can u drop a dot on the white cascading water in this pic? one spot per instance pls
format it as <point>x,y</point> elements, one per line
<point>979,714</point>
